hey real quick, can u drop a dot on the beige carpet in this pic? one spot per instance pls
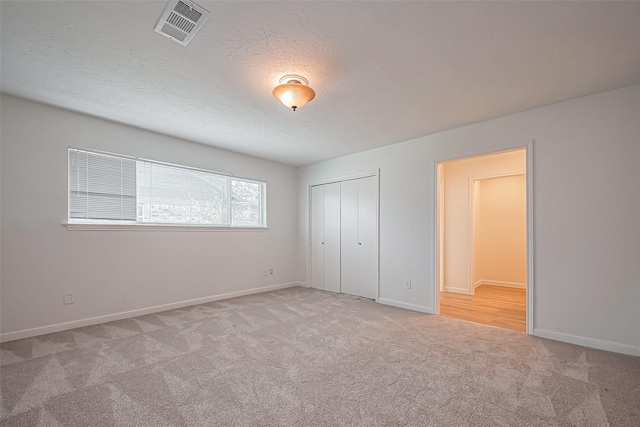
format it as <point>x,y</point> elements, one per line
<point>301,357</point>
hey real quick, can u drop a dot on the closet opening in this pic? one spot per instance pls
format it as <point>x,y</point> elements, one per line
<point>344,236</point>
<point>482,239</point>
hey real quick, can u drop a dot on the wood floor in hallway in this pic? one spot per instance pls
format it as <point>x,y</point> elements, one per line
<point>491,305</point>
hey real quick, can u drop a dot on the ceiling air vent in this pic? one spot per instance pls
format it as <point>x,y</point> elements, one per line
<point>181,20</point>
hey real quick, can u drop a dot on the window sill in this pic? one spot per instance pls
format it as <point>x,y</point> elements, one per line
<point>79,226</point>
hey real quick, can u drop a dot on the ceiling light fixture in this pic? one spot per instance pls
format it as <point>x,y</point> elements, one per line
<point>294,91</point>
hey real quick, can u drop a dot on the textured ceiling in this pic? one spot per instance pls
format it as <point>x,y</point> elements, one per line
<point>384,72</point>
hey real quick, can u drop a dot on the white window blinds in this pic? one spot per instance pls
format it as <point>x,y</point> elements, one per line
<point>101,187</point>
<point>110,187</point>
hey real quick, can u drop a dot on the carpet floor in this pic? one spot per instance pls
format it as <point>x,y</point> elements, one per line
<point>302,357</point>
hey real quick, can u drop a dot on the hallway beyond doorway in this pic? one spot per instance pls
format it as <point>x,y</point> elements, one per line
<point>483,239</point>
<point>491,305</point>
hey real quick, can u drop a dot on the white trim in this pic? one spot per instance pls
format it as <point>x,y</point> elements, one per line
<point>26,333</point>
<point>378,236</point>
<point>470,234</point>
<point>588,342</point>
<point>439,208</point>
<point>345,178</point>
<point>79,226</point>
<point>530,240</point>
<point>458,290</point>
<point>405,305</point>
<point>517,285</point>
<point>437,265</point>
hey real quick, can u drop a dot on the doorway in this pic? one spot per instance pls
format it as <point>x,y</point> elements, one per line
<point>482,235</point>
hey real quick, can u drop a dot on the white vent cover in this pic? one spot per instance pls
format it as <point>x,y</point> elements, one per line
<point>181,20</point>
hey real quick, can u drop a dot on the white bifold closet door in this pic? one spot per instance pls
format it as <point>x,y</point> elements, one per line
<point>359,237</point>
<point>325,237</point>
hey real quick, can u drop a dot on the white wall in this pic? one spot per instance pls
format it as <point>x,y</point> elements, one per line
<point>457,212</point>
<point>118,271</point>
<point>586,203</point>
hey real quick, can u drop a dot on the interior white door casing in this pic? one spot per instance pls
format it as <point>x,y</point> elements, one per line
<point>438,203</point>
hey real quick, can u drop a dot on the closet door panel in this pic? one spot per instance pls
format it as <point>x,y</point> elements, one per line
<point>317,237</point>
<point>368,237</point>
<point>349,237</point>
<point>332,237</point>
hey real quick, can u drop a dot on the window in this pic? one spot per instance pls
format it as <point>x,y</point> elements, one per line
<point>108,188</point>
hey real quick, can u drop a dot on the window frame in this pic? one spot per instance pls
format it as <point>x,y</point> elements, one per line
<point>76,224</point>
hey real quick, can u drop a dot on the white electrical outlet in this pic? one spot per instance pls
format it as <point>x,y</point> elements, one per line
<point>271,271</point>
<point>67,298</point>
<point>266,272</point>
<point>407,284</point>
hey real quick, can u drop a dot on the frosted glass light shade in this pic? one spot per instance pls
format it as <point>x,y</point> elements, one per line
<point>294,95</point>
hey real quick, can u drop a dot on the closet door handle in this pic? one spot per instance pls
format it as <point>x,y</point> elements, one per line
<point>360,243</point>
<point>323,243</point>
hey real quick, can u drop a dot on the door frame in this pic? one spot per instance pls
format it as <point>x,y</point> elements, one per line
<point>351,177</point>
<point>470,220</point>
<point>438,205</point>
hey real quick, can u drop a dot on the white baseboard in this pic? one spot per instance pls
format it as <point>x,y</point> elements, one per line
<point>457,290</point>
<point>500,283</point>
<point>58,327</point>
<point>588,342</point>
<point>406,305</point>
